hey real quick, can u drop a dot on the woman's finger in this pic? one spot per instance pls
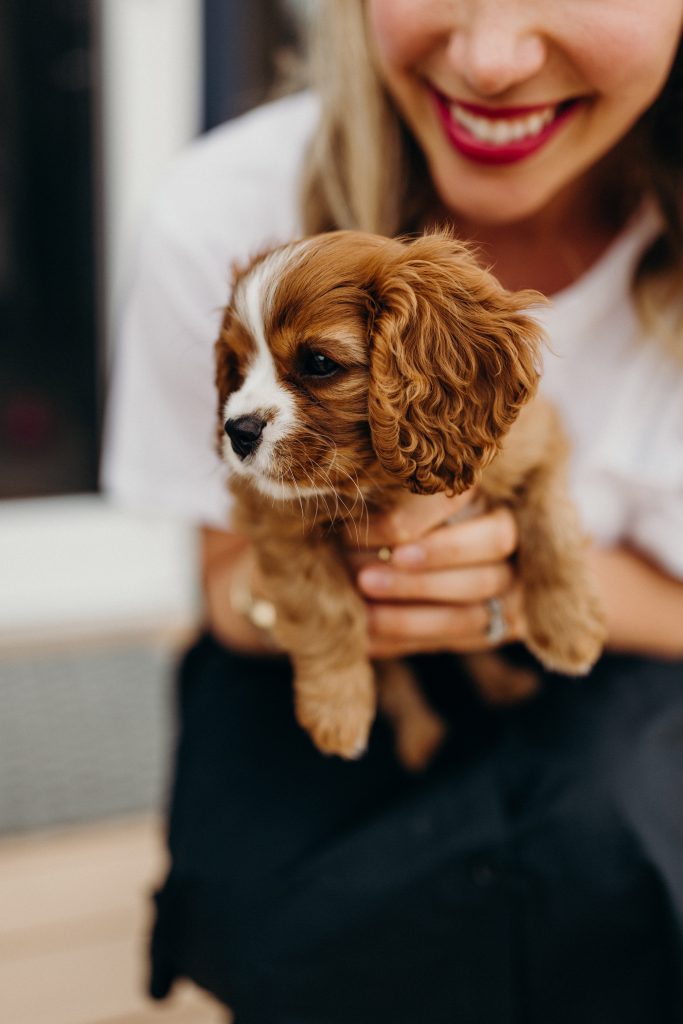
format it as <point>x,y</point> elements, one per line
<point>396,630</point>
<point>486,538</point>
<point>469,584</point>
<point>418,622</point>
<point>414,517</point>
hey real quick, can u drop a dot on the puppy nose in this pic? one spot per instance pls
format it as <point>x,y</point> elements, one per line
<point>245,434</point>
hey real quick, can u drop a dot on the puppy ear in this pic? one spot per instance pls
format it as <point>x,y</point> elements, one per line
<point>453,360</point>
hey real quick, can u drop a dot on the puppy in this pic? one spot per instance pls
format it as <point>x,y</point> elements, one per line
<point>350,367</point>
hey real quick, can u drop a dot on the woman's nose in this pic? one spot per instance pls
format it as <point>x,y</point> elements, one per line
<point>497,45</point>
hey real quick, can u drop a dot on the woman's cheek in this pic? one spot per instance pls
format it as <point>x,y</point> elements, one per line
<point>400,32</point>
<point>625,55</point>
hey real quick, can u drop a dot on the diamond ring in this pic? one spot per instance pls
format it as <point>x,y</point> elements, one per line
<point>497,629</point>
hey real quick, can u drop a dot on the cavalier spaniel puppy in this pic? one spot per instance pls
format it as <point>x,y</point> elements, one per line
<point>350,367</point>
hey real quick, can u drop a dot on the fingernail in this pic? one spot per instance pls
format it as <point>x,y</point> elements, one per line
<point>411,554</point>
<point>375,579</point>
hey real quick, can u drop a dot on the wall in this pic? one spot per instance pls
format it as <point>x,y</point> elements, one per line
<point>74,566</point>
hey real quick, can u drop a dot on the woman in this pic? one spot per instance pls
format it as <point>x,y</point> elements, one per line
<point>535,873</point>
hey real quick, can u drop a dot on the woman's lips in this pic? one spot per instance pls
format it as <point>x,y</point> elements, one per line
<point>502,135</point>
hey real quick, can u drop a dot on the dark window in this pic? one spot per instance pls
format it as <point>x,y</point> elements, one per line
<point>50,259</point>
<point>48,382</point>
<point>244,42</point>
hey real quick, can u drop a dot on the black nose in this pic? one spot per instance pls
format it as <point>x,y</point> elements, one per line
<point>245,434</point>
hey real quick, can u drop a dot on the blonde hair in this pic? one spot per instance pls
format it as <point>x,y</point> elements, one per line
<point>366,172</point>
<point>360,172</point>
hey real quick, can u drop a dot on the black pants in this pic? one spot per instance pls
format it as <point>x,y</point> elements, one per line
<point>533,875</point>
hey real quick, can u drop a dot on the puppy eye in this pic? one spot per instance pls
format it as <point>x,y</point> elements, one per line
<point>317,364</point>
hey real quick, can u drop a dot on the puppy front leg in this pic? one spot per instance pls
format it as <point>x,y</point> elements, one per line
<point>321,624</point>
<point>566,626</point>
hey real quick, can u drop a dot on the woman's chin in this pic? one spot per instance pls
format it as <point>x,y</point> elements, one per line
<point>495,198</point>
<point>494,207</point>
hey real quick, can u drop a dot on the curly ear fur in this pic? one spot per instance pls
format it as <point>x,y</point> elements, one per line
<point>453,360</point>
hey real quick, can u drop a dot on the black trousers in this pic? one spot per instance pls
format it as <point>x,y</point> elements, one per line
<point>534,875</point>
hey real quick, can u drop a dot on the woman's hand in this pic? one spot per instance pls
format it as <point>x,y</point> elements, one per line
<point>228,573</point>
<point>434,592</point>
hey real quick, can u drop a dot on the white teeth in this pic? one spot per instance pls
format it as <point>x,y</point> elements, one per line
<point>536,123</point>
<point>500,131</point>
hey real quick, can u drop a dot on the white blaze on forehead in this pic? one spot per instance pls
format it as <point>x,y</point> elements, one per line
<point>255,293</point>
<point>261,391</point>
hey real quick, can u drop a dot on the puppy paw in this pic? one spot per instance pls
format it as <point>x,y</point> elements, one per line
<point>338,717</point>
<point>342,731</point>
<point>566,630</point>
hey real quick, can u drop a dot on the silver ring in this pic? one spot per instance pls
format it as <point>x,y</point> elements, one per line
<point>497,629</point>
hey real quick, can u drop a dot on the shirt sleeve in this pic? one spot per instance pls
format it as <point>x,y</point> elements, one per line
<point>159,451</point>
<point>641,453</point>
<point>231,194</point>
<point>657,519</point>
<point>658,530</point>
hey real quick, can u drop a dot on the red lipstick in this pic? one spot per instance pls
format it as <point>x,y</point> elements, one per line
<point>498,112</point>
<point>494,153</point>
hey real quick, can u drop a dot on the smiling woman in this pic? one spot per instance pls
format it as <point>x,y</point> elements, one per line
<point>533,871</point>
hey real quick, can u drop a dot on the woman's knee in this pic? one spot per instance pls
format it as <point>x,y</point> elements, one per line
<point>606,756</point>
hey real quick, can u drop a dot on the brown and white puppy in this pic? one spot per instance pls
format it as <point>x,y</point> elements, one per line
<point>351,367</point>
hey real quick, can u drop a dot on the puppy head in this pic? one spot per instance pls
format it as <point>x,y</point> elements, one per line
<point>346,360</point>
<point>292,365</point>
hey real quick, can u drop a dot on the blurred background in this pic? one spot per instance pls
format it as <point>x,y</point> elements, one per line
<point>96,97</point>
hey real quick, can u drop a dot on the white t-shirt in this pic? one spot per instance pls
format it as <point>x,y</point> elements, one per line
<point>234,192</point>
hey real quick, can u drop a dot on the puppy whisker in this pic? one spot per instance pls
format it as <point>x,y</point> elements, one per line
<point>365,512</point>
<point>337,496</point>
<point>293,481</point>
<point>350,512</point>
<point>317,495</point>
